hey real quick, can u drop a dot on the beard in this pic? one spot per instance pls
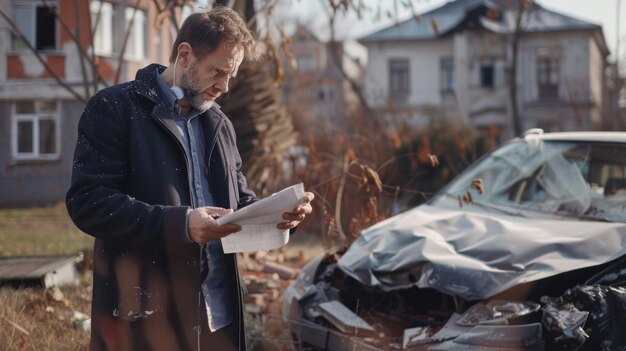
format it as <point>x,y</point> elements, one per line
<point>190,88</point>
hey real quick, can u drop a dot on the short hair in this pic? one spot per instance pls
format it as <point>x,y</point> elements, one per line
<point>205,31</point>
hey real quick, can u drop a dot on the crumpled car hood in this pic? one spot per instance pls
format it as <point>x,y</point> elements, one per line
<point>475,254</point>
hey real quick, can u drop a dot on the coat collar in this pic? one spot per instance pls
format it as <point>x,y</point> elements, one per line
<point>147,86</point>
<point>146,82</point>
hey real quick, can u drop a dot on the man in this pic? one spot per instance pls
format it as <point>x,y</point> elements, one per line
<point>155,163</point>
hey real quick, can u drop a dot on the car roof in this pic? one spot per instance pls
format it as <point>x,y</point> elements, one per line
<point>615,137</point>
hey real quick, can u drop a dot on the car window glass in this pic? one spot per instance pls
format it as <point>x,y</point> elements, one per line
<point>561,178</point>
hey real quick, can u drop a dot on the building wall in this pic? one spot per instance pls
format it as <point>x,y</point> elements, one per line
<point>483,47</point>
<point>577,107</point>
<point>423,68</point>
<point>24,183</point>
<point>316,93</point>
<point>597,68</point>
<point>483,106</point>
<point>23,78</point>
<point>468,50</point>
<point>571,111</point>
<point>5,39</point>
<point>63,61</point>
<point>573,51</point>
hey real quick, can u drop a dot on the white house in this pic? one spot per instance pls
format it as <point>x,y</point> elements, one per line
<point>457,58</point>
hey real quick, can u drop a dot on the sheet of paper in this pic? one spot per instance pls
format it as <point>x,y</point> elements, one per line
<point>258,222</point>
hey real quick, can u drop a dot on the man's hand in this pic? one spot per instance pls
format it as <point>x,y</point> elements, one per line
<point>202,226</point>
<point>299,213</point>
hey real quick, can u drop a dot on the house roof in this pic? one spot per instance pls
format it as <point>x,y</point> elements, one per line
<point>446,18</point>
<point>303,33</point>
<point>540,19</point>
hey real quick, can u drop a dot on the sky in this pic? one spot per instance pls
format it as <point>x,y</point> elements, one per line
<point>602,12</point>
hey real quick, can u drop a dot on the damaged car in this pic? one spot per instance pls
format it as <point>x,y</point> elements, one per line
<point>524,250</point>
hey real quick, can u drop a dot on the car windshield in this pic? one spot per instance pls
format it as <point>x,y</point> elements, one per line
<point>573,179</point>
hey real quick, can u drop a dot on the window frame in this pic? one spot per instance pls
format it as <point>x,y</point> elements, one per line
<point>104,33</point>
<point>487,74</point>
<point>325,93</point>
<point>32,5</point>
<point>139,34</point>
<point>306,63</point>
<point>35,117</point>
<point>399,77</point>
<point>548,64</point>
<point>447,79</point>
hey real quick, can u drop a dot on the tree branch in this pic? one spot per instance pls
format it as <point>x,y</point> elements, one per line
<point>120,58</point>
<point>338,63</point>
<point>342,183</point>
<point>79,46</point>
<point>81,50</point>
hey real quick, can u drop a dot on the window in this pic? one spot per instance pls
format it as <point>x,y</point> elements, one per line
<point>305,63</point>
<point>547,74</point>
<point>325,92</point>
<point>102,19</point>
<point>447,73</point>
<point>38,24</point>
<point>35,130</point>
<point>486,75</point>
<point>137,44</point>
<point>554,177</point>
<point>399,78</point>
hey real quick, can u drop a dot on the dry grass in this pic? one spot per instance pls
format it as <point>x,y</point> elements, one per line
<point>44,231</point>
<point>30,319</point>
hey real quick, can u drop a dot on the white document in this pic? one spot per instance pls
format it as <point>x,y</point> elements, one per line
<point>258,222</point>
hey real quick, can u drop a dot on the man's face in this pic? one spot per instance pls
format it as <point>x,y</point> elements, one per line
<point>205,79</point>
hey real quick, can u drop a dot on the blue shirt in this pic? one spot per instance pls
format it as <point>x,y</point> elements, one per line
<point>214,288</point>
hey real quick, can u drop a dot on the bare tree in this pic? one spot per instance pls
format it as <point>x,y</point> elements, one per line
<point>264,128</point>
<point>520,8</point>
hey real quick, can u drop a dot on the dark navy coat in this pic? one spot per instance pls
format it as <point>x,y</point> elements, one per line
<point>130,190</point>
